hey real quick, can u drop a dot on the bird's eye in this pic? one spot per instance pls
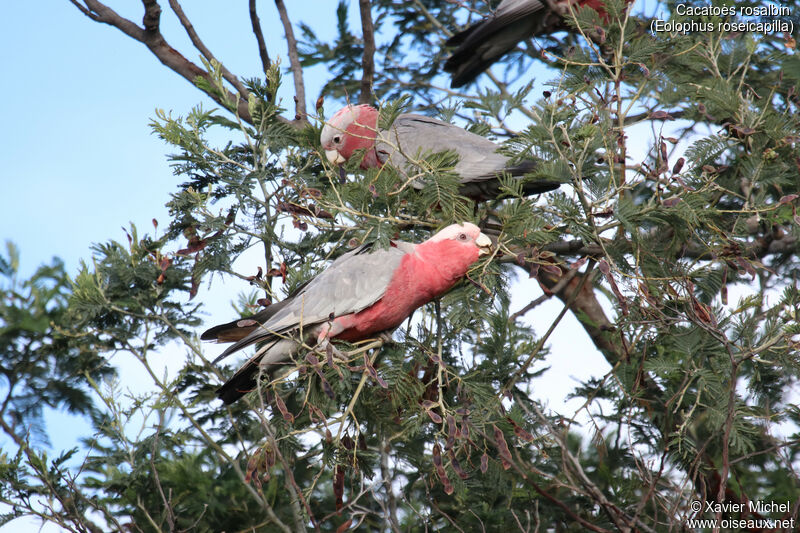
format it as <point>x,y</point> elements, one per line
<point>462,236</point>
<point>337,139</point>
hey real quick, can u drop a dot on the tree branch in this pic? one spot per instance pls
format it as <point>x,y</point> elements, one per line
<point>391,515</point>
<point>106,15</point>
<point>71,511</point>
<point>550,498</point>
<point>648,115</point>
<point>198,43</point>
<point>544,297</point>
<point>152,16</point>
<point>757,249</point>
<point>84,10</point>
<point>368,59</point>
<point>568,301</point>
<point>294,61</point>
<point>151,37</point>
<point>648,394</point>
<point>170,512</point>
<point>262,45</point>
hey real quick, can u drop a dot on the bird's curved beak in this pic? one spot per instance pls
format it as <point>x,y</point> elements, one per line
<point>335,157</point>
<point>484,244</point>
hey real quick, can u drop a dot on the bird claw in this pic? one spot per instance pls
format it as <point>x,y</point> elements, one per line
<point>338,354</point>
<point>386,337</point>
<point>330,351</point>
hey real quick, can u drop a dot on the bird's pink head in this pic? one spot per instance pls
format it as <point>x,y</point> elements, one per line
<point>351,128</point>
<point>454,249</point>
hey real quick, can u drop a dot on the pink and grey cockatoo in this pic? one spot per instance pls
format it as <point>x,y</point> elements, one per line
<point>486,41</point>
<point>410,136</point>
<point>362,293</point>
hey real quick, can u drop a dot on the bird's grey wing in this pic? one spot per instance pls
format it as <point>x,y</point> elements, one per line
<point>411,136</point>
<point>311,299</point>
<point>508,10</point>
<point>350,284</point>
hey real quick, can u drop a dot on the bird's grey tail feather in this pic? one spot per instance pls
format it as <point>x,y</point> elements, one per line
<point>489,189</point>
<point>532,186</point>
<point>246,378</point>
<point>228,332</point>
<point>255,336</point>
<point>467,66</point>
<point>241,327</point>
<point>458,38</point>
<point>539,187</point>
<point>240,384</point>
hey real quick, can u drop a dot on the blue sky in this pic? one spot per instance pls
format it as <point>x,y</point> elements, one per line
<point>79,159</point>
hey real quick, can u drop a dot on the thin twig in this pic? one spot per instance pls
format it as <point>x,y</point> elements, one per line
<point>566,278</point>
<point>726,438</point>
<point>262,45</point>
<point>368,59</point>
<point>84,10</point>
<point>294,62</point>
<point>567,305</point>
<point>67,502</point>
<point>391,515</point>
<point>156,478</point>
<point>198,43</point>
<point>151,37</point>
<point>615,514</point>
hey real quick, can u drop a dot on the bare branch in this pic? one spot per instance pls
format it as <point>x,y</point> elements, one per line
<point>568,303</point>
<point>84,10</point>
<point>759,248</point>
<point>166,501</point>
<point>106,15</point>
<point>391,515</point>
<point>544,297</point>
<point>151,37</point>
<point>648,115</point>
<point>368,59</point>
<point>152,16</point>
<point>294,61</point>
<point>198,43</point>
<point>582,300</point>
<point>262,45</point>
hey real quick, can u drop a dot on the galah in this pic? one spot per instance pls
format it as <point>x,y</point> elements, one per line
<point>364,292</point>
<point>412,136</point>
<point>486,41</point>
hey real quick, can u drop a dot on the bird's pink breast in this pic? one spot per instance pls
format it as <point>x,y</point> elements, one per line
<point>415,283</point>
